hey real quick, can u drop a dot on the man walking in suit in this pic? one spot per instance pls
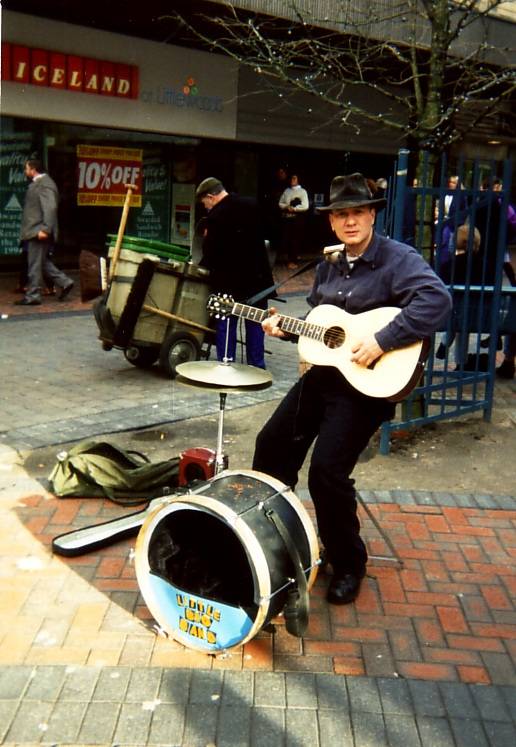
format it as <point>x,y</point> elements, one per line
<point>38,233</point>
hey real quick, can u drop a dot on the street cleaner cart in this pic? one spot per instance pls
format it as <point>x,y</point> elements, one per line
<point>154,308</point>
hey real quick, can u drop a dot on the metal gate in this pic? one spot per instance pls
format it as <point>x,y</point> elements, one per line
<point>438,220</point>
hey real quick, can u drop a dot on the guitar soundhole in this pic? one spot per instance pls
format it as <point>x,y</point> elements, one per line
<point>334,337</point>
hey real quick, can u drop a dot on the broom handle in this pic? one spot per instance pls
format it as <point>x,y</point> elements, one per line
<point>118,245</point>
<point>176,318</point>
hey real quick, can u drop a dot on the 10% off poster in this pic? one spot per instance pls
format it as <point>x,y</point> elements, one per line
<point>103,173</point>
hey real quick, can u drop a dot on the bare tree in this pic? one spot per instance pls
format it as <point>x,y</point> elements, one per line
<point>429,70</point>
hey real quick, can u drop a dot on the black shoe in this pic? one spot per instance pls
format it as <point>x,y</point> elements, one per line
<point>440,353</point>
<point>485,343</point>
<point>65,291</point>
<point>475,363</point>
<point>506,370</point>
<point>344,589</point>
<point>27,302</point>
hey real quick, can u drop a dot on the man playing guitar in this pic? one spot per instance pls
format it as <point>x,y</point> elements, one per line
<point>366,271</point>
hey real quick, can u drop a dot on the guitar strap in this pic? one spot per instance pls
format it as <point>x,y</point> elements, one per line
<point>267,292</point>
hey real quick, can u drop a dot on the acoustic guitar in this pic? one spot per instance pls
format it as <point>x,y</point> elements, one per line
<point>326,338</point>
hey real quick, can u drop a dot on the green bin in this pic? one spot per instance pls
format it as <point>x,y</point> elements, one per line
<point>151,246</point>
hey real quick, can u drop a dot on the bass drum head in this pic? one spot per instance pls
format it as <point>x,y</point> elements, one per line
<point>208,563</point>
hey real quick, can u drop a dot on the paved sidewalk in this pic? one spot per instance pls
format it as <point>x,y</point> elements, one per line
<point>426,656</point>
<point>162,706</point>
<point>56,358</point>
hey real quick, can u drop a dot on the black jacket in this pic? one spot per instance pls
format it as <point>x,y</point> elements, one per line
<point>234,249</point>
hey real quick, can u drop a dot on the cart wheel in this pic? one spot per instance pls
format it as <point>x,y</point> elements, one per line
<point>179,347</point>
<point>143,357</point>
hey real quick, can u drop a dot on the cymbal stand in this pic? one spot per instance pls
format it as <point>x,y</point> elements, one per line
<point>226,360</point>
<point>220,460</point>
<point>383,534</point>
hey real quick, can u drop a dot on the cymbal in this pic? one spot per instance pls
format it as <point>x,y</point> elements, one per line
<point>215,373</point>
<point>191,384</point>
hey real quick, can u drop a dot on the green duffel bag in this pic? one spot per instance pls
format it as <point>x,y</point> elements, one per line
<point>100,470</point>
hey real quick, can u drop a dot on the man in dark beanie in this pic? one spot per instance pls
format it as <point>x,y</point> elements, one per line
<point>364,271</point>
<point>234,252</point>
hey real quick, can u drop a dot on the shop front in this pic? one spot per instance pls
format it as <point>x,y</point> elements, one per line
<point>103,110</point>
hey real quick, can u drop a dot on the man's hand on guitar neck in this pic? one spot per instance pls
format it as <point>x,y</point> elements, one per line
<point>271,325</point>
<point>366,351</point>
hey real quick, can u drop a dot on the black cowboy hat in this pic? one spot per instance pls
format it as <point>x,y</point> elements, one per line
<point>351,191</point>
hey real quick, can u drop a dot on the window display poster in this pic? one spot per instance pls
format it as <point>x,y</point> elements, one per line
<point>15,149</point>
<point>183,211</point>
<point>103,173</point>
<point>152,220</point>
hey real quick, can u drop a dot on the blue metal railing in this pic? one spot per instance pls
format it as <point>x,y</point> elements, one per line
<point>483,307</point>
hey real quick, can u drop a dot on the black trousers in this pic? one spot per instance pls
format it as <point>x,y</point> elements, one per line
<point>323,408</point>
<point>293,236</point>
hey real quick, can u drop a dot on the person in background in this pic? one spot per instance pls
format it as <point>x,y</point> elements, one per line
<point>38,234</point>
<point>506,369</point>
<point>450,200</point>
<point>233,250</point>
<point>366,271</point>
<point>511,229</point>
<point>471,261</point>
<point>273,213</point>
<point>48,289</point>
<point>409,215</point>
<point>454,214</point>
<point>293,204</point>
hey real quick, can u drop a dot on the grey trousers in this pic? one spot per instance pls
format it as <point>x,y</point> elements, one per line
<point>38,263</point>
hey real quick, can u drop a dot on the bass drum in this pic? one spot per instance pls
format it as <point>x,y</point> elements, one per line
<point>211,564</point>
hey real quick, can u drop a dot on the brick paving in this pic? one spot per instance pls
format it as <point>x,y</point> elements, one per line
<point>446,615</point>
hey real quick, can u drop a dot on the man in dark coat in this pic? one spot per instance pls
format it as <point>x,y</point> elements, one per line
<point>38,234</point>
<point>366,271</point>
<point>234,253</point>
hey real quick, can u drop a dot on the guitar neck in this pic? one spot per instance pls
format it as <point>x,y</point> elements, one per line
<point>289,324</point>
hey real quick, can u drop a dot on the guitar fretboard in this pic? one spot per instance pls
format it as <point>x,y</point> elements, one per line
<point>287,323</point>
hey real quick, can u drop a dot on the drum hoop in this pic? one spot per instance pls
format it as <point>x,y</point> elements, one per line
<point>253,550</point>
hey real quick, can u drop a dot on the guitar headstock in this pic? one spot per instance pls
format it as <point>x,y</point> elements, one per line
<point>220,305</point>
